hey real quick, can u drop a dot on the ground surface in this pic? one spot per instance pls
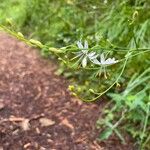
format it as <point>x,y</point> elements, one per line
<point>36,110</point>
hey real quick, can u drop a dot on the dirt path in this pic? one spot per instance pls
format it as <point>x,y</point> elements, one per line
<point>36,110</point>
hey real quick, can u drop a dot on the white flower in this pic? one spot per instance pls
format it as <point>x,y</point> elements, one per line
<point>105,62</point>
<point>109,61</point>
<point>84,54</point>
<point>84,48</point>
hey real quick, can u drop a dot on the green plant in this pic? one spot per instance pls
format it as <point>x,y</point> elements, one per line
<point>117,29</point>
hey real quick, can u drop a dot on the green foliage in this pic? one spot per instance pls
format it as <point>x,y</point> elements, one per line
<point>117,29</point>
<point>10,12</point>
<point>135,100</point>
<point>50,21</point>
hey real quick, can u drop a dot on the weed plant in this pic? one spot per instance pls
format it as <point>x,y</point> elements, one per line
<point>102,46</point>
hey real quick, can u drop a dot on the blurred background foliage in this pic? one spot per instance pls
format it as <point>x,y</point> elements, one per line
<point>124,23</point>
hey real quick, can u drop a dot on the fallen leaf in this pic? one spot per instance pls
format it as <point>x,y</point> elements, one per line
<point>66,123</point>
<point>15,119</point>
<point>37,130</point>
<point>27,145</point>
<point>46,122</point>
<point>25,124</point>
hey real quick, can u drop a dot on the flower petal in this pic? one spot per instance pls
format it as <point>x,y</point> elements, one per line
<point>95,61</point>
<point>84,62</point>
<point>80,46</point>
<point>85,52</point>
<point>91,54</point>
<point>86,45</point>
<point>110,61</point>
<point>102,58</point>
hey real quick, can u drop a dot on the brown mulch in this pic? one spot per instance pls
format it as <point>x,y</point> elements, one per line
<point>36,110</point>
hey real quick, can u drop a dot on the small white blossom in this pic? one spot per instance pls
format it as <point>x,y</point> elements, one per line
<point>105,62</point>
<point>109,61</point>
<point>84,54</point>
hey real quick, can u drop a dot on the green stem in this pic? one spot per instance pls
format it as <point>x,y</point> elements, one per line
<point>144,128</point>
<point>94,99</point>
